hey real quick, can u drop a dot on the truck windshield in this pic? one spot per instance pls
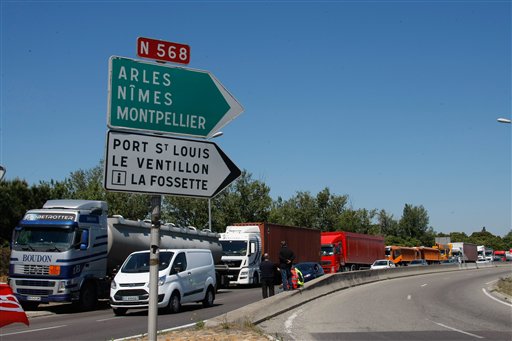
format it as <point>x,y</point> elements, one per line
<point>139,262</point>
<point>47,239</point>
<point>234,247</point>
<point>327,250</point>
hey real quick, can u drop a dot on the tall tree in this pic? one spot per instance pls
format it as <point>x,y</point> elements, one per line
<point>414,221</point>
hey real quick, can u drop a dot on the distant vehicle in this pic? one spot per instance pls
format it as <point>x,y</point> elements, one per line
<point>418,262</point>
<point>310,270</point>
<point>184,276</point>
<point>500,254</point>
<point>243,245</point>
<point>429,254</point>
<point>449,261</point>
<point>465,251</point>
<point>349,251</point>
<point>401,255</point>
<point>483,261</point>
<point>382,264</point>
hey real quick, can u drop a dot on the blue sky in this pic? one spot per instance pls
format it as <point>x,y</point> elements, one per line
<point>391,102</point>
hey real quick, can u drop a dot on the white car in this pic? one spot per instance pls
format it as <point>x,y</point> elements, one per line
<point>383,264</point>
<point>184,276</point>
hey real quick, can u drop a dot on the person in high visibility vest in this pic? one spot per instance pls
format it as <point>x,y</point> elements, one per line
<point>297,278</point>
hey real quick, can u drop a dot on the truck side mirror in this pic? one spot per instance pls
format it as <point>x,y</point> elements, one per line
<point>252,249</point>
<point>84,240</point>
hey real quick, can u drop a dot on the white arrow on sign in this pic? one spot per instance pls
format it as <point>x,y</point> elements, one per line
<point>165,165</point>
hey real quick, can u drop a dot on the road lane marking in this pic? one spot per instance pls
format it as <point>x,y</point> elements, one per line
<point>409,297</point>
<point>424,285</point>
<point>458,330</point>
<point>494,298</point>
<point>289,323</point>
<point>491,282</point>
<point>33,330</point>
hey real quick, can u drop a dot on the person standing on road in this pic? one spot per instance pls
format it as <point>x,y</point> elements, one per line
<point>286,257</point>
<point>267,269</point>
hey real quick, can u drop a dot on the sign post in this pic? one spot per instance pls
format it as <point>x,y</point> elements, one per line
<point>159,98</point>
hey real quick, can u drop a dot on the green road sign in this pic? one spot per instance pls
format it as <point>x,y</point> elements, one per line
<point>165,99</point>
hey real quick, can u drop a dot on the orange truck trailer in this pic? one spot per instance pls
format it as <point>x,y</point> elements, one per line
<point>402,255</point>
<point>348,251</point>
<point>430,254</point>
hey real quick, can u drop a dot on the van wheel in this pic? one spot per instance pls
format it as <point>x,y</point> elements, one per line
<point>119,311</point>
<point>88,296</point>
<point>209,297</point>
<point>174,303</point>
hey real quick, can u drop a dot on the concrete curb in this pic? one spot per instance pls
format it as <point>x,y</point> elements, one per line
<point>262,310</point>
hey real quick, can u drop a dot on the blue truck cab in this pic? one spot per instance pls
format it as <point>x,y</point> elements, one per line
<point>59,254</point>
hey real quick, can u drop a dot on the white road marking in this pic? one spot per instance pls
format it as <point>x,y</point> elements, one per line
<point>409,297</point>
<point>33,330</point>
<point>491,282</point>
<point>424,285</point>
<point>494,298</point>
<point>458,330</point>
<point>288,324</point>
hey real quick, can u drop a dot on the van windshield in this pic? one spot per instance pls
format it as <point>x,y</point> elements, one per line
<point>139,262</point>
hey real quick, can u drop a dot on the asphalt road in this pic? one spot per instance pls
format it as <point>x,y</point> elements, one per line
<point>440,306</point>
<point>61,323</point>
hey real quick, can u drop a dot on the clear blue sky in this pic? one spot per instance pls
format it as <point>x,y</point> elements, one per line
<point>389,102</point>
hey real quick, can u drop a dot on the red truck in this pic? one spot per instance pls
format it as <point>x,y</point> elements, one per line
<point>349,251</point>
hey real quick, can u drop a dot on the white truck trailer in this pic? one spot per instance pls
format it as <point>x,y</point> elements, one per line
<point>69,251</point>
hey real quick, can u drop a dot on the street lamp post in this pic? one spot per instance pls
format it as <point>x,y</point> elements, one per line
<point>217,134</point>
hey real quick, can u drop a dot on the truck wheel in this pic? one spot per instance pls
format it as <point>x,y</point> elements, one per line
<point>209,297</point>
<point>174,303</point>
<point>256,280</point>
<point>353,267</point>
<point>119,311</point>
<point>88,296</point>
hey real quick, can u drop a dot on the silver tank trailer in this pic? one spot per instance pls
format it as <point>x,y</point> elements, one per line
<point>127,236</point>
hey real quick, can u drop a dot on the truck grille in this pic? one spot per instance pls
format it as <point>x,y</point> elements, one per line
<point>233,263</point>
<point>32,269</point>
<point>35,292</point>
<point>35,283</point>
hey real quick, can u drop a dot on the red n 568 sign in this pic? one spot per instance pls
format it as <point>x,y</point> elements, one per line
<point>163,50</point>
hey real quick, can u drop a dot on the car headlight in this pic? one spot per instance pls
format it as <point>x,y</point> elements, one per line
<point>113,285</point>
<point>161,280</point>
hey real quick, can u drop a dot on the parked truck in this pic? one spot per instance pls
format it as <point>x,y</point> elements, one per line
<point>349,251</point>
<point>69,251</point>
<point>244,244</point>
<point>464,252</point>
<point>429,254</point>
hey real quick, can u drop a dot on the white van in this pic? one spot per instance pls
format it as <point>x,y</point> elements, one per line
<point>184,276</point>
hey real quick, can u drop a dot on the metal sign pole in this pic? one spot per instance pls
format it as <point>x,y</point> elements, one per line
<point>154,260</point>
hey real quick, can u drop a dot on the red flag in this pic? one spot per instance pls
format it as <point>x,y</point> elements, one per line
<point>10,309</point>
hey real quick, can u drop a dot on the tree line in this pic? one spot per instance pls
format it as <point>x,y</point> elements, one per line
<point>245,200</point>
